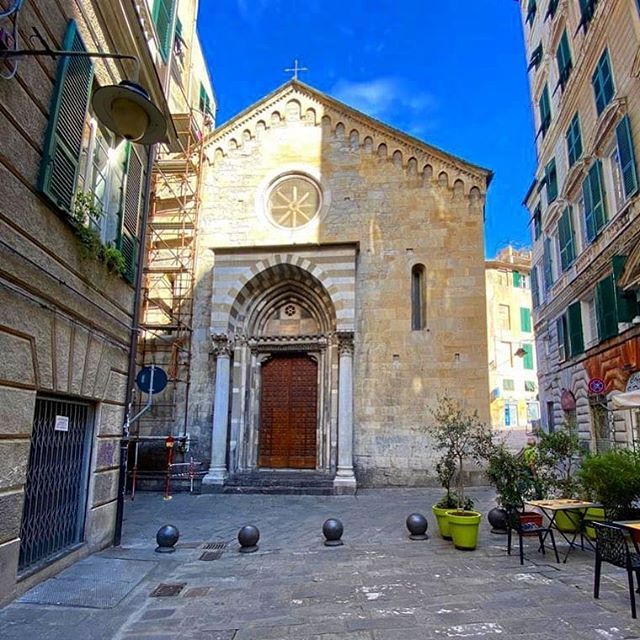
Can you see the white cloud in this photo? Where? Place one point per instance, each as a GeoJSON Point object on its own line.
{"type": "Point", "coordinates": [390, 99]}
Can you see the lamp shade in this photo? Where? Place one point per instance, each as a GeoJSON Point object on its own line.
{"type": "Point", "coordinates": [126, 110]}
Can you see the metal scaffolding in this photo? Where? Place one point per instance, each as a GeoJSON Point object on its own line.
{"type": "Point", "coordinates": [169, 276]}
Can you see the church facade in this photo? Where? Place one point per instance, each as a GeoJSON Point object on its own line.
{"type": "Point", "coordinates": [340, 289]}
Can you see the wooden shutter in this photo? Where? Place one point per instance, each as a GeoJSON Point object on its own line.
{"type": "Point", "coordinates": [525, 319]}
{"type": "Point", "coordinates": [537, 222]}
{"type": "Point", "coordinates": [551, 10]}
{"type": "Point", "coordinates": [576, 338]}
{"type": "Point", "coordinates": [602, 82]}
{"type": "Point", "coordinates": [531, 11]}
{"type": "Point", "coordinates": [606, 308]}
{"type": "Point", "coordinates": [535, 291]}
{"type": "Point", "coordinates": [548, 269]}
{"type": "Point", "coordinates": [627, 157]}
{"type": "Point", "coordinates": [551, 179]}
{"type": "Point", "coordinates": [597, 191]}
{"type": "Point", "coordinates": [545, 110]}
{"type": "Point", "coordinates": [516, 279]}
{"type": "Point", "coordinates": [536, 57]}
{"type": "Point", "coordinates": [63, 142]}
{"type": "Point", "coordinates": [626, 303]}
{"type": "Point", "coordinates": [131, 208]}
{"type": "Point", "coordinates": [565, 239]}
{"type": "Point", "coordinates": [574, 140]}
{"type": "Point", "coordinates": [163, 18]}
{"type": "Point", "coordinates": [560, 330]}
{"type": "Point", "coordinates": [527, 360]}
{"type": "Point", "coordinates": [563, 58]}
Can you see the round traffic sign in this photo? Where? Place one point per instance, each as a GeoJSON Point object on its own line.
{"type": "Point", "coordinates": [596, 386]}
{"type": "Point", "coordinates": [143, 379]}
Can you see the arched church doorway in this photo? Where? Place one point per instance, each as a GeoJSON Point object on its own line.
{"type": "Point", "coordinates": [288, 412]}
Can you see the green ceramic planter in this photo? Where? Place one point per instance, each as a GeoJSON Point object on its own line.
{"type": "Point", "coordinates": [595, 514]}
{"type": "Point", "coordinates": [464, 526]}
{"type": "Point", "coordinates": [443, 522]}
{"type": "Point", "coordinates": [568, 523]}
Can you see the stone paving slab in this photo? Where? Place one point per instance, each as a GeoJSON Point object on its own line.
{"type": "Point", "coordinates": [378, 586]}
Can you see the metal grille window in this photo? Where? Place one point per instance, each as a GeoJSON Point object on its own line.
{"type": "Point", "coordinates": [57, 478]}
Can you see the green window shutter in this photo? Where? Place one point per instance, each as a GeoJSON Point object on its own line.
{"type": "Point", "coordinates": [606, 308]}
{"type": "Point", "coordinates": [531, 12]}
{"type": "Point", "coordinates": [562, 337]}
{"type": "Point", "coordinates": [626, 303]}
{"type": "Point", "coordinates": [525, 320]}
{"type": "Point", "coordinates": [574, 140]}
{"type": "Point", "coordinates": [544, 104]}
{"type": "Point", "coordinates": [527, 360]}
{"type": "Point", "coordinates": [548, 268]}
{"type": "Point", "coordinates": [602, 81]}
{"type": "Point", "coordinates": [163, 18]}
{"type": "Point", "coordinates": [551, 180]}
{"type": "Point", "coordinates": [563, 58]}
{"type": "Point", "coordinates": [566, 240]}
{"type": "Point", "coordinates": [576, 338]}
{"type": "Point", "coordinates": [589, 219]}
{"type": "Point", "coordinates": [627, 157]}
{"type": "Point", "coordinates": [587, 9]}
{"type": "Point", "coordinates": [537, 222]}
{"type": "Point", "coordinates": [536, 58]}
{"type": "Point", "coordinates": [516, 279]}
{"type": "Point", "coordinates": [63, 142]}
{"type": "Point", "coordinates": [131, 209]}
{"type": "Point", "coordinates": [551, 10]}
{"type": "Point", "coordinates": [204, 103]}
{"type": "Point", "coordinates": [597, 191]}
{"type": "Point", "coordinates": [179, 29]}
{"type": "Point", "coordinates": [535, 291]}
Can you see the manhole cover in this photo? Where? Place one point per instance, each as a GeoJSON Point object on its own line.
{"type": "Point", "coordinates": [214, 545]}
{"type": "Point", "coordinates": [210, 555]}
{"type": "Point", "coordinates": [167, 590]}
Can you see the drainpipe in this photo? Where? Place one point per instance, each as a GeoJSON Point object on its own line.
{"type": "Point", "coordinates": [133, 347]}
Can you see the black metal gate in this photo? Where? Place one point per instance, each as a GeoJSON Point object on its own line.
{"type": "Point", "coordinates": [57, 479]}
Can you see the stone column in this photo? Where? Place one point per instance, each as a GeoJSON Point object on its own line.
{"type": "Point", "coordinates": [217, 473]}
{"type": "Point", "coordinates": [345, 481]}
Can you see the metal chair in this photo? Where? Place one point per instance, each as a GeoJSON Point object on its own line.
{"type": "Point", "coordinates": [612, 547]}
{"type": "Point", "coordinates": [527, 530]}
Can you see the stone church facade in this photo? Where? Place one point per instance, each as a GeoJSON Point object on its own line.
{"type": "Point", "coordinates": [340, 289]}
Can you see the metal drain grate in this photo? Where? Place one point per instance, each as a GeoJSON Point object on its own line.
{"type": "Point", "coordinates": [211, 555]}
{"type": "Point", "coordinates": [164, 590]}
{"type": "Point", "coordinates": [214, 545]}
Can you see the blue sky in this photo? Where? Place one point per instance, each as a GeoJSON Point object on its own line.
{"type": "Point", "coordinates": [452, 73]}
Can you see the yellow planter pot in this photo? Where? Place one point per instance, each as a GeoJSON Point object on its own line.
{"type": "Point", "coordinates": [464, 526]}
{"type": "Point", "coordinates": [443, 521]}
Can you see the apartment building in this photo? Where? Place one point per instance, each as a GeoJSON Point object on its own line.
{"type": "Point", "coordinates": [584, 72]}
{"type": "Point", "coordinates": [513, 380]}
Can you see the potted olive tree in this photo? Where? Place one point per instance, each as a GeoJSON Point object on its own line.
{"type": "Point", "coordinates": [446, 470]}
{"type": "Point", "coordinates": [461, 437]}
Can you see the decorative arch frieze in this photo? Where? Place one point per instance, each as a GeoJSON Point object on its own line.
{"type": "Point", "coordinates": [364, 135]}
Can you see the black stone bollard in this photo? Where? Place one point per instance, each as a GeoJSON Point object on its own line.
{"type": "Point", "coordinates": [417, 525]}
{"type": "Point", "coordinates": [332, 530]}
{"type": "Point", "coordinates": [166, 538]}
{"type": "Point", "coordinates": [497, 518]}
{"type": "Point", "coordinates": [248, 538]}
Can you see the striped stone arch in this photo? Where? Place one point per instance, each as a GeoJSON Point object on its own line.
{"type": "Point", "coordinates": [268, 278]}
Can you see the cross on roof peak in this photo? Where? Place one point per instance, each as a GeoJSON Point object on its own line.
{"type": "Point", "coordinates": [296, 69]}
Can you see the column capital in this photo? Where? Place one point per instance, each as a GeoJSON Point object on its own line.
{"type": "Point", "coordinates": [222, 344]}
{"type": "Point", "coordinates": [345, 342]}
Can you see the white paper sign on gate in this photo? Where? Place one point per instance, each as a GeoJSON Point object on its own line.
{"type": "Point", "coordinates": [62, 423]}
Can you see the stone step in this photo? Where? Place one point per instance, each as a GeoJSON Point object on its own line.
{"type": "Point", "coordinates": [279, 483]}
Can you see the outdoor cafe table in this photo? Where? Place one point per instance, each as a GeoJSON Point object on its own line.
{"type": "Point", "coordinates": [575, 510]}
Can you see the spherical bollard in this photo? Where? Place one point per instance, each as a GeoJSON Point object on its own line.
{"type": "Point", "coordinates": [417, 525]}
{"type": "Point", "coordinates": [248, 538]}
{"type": "Point", "coordinates": [166, 538]}
{"type": "Point", "coordinates": [332, 530]}
{"type": "Point", "coordinates": [497, 518]}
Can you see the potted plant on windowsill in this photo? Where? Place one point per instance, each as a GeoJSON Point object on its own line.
{"type": "Point", "coordinates": [461, 437]}
{"type": "Point", "coordinates": [613, 479]}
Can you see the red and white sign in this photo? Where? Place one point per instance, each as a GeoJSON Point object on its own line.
{"type": "Point", "coordinates": [596, 386]}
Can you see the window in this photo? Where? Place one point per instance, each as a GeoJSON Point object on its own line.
{"type": "Point", "coordinates": [551, 180]}
{"type": "Point", "coordinates": [533, 411]}
{"type": "Point", "coordinates": [563, 58]}
{"type": "Point", "coordinates": [527, 359]}
{"type": "Point", "coordinates": [547, 264]}
{"type": "Point", "coordinates": [204, 103]}
{"type": "Point", "coordinates": [566, 239]}
{"type": "Point", "coordinates": [535, 288]}
{"type": "Point", "coordinates": [627, 306]}
{"type": "Point", "coordinates": [520, 280]}
{"type": "Point", "coordinates": [179, 44]}
{"type": "Point", "coordinates": [587, 9]}
{"type": "Point", "coordinates": [574, 140]}
{"type": "Point", "coordinates": [162, 16]}
{"type": "Point", "coordinates": [508, 385]}
{"type": "Point", "coordinates": [589, 321]}
{"type": "Point", "coordinates": [531, 12]}
{"type": "Point", "coordinates": [626, 158]}
{"type": "Point", "coordinates": [595, 215]}
{"type": "Point", "coordinates": [510, 414]}
{"type": "Point", "coordinates": [536, 58]}
{"type": "Point", "coordinates": [563, 341]}
{"type": "Point", "coordinates": [529, 386]}
{"type": "Point", "coordinates": [505, 355]}
{"type": "Point", "coordinates": [574, 322]}
{"type": "Point", "coordinates": [80, 156]}
{"type": "Point", "coordinates": [551, 427]}
{"type": "Point", "coordinates": [602, 81]}
{"type": "Point", "coordinates": [606, 308]}
{"type": "Point", "coordinates": [544, 105]}
{"type": "Point", "coordinates": [553, 7]}
{"type": "Point", "coordinates": [525, 320]}
{"type": "Point", "coordinates": [418, 298]}
{"type": "Point", "coordinates": [504, 317]}
{"type": "Point", "coordinates": [537, 222]}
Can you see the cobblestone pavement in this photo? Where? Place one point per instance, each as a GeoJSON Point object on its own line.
{"type": "Point", "coordinates": [378, 586]}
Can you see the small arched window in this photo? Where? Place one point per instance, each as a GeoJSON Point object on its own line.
{"type": "Point", "coordinates": [418, 298]}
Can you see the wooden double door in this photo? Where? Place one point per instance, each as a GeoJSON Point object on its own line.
{"type": "Point", "coordinates": [288, 413]}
